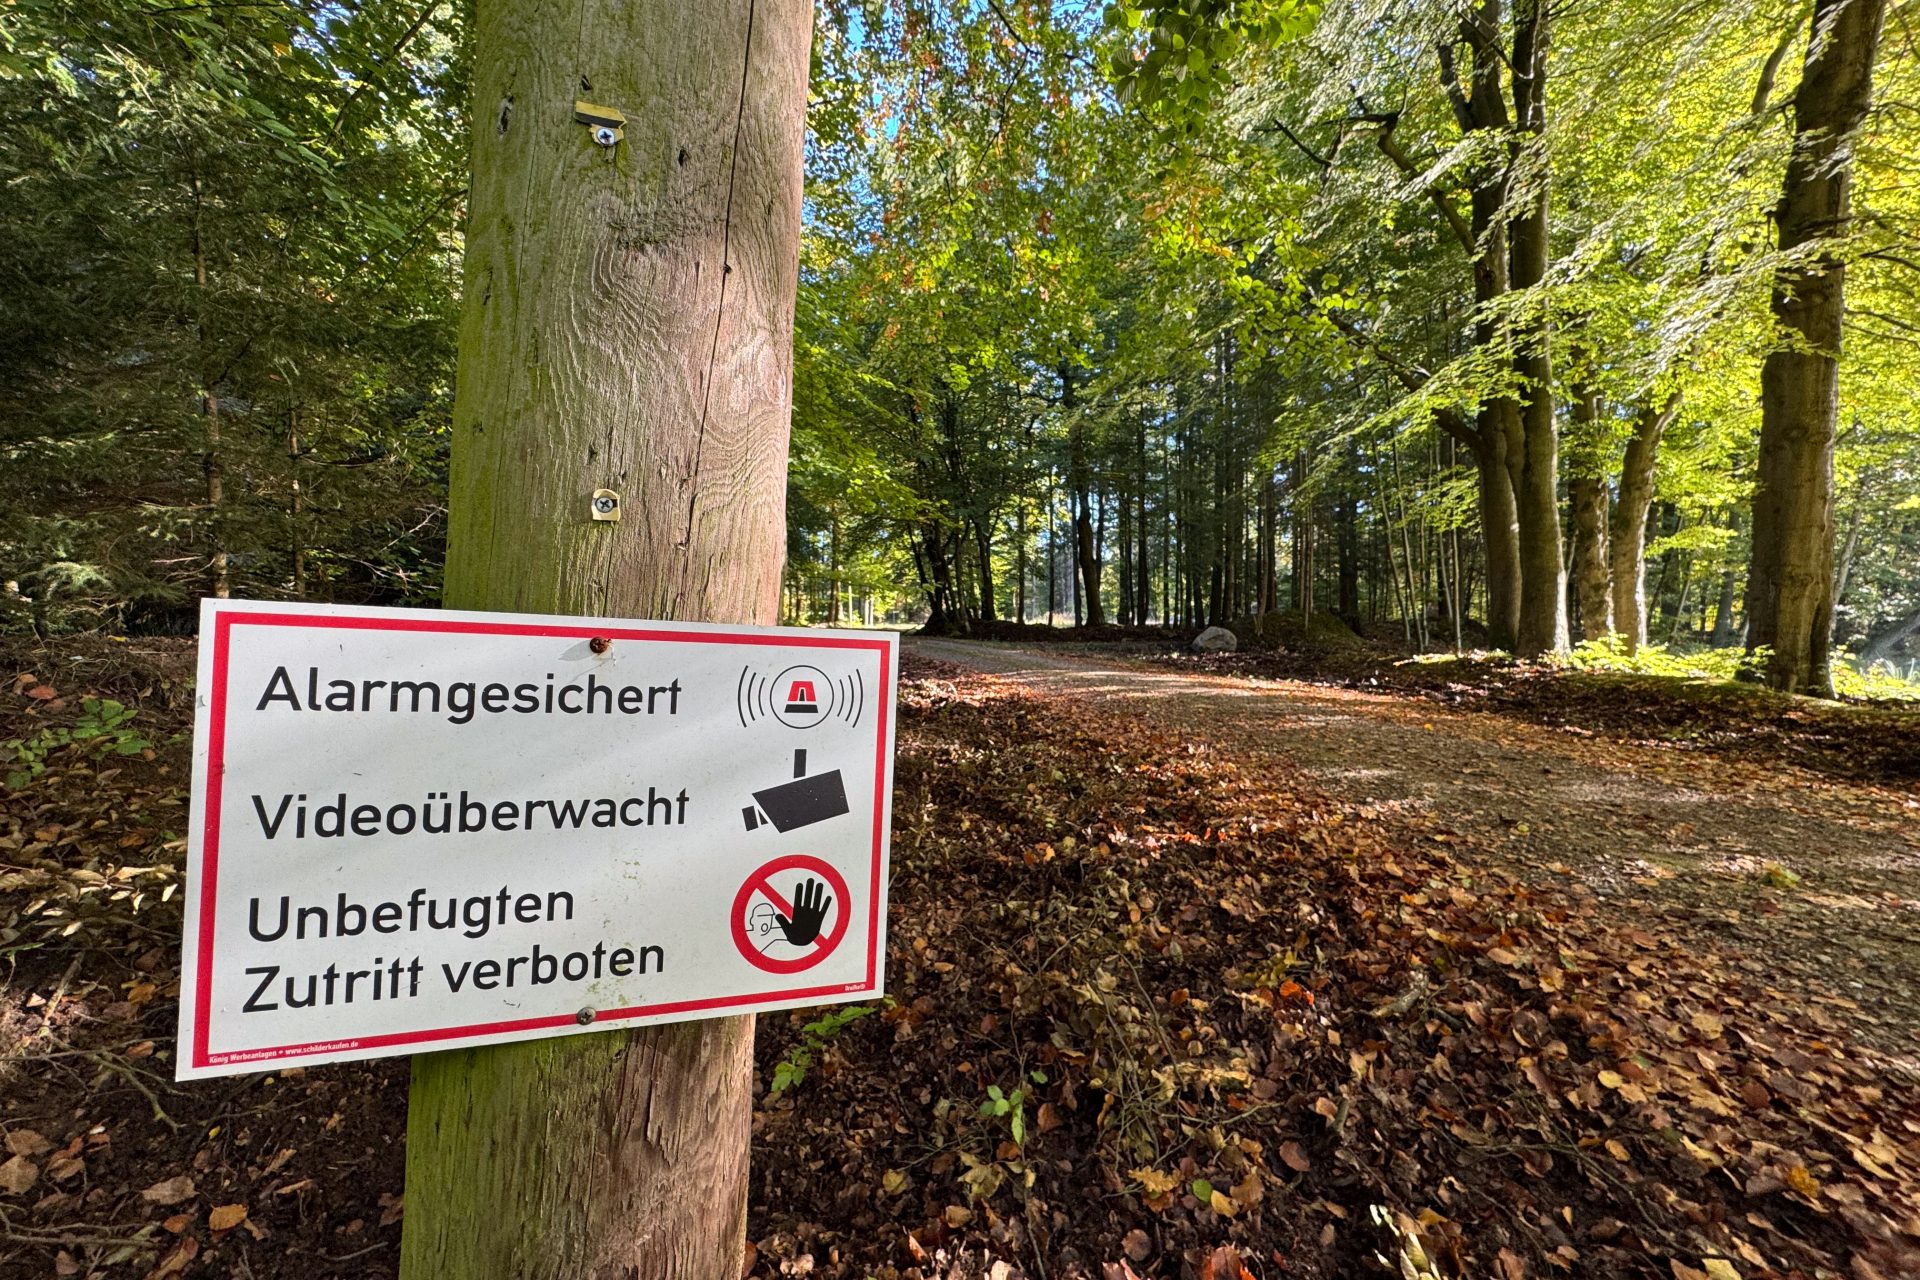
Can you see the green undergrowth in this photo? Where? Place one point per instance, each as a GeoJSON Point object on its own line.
{"type": "Point", "coordinates": [1710, 671]}
{"type": "Point", "coordinates": [1724, 665]}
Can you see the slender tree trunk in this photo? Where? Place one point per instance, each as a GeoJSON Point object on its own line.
{"type": "Point", "coordinates": [1143, 590]}
{"type": "Point", "coordinates": [297, 504]}
{"type": "Point", "coordinates": [1499, 528]}
{"type": "Point", "coordinates": [1534, 460]}
{"type": "Point", "coordinates": [1723, 610]}
{"type": "Point", "coordinates": [1079, 480]}
{"type": "Point", "coordinates": [1844, 570]}
{"type": "Point", "coordinates": [1020, 560]}
{"type": "Point", "coordinates": [833, 572]}
{"type": "Point", "coordinates": [1627, 533]}
{"type": "Point", "coordinates": [1053, 549]}
{"type": "Point", "coordinates": [212, 463]}
{"type": "Point", "coordinates": [1790, 580]}
{"type": "Point", "coordinates": [1587, 495]}
{"type": "Point", "coordinates": [983, 549]}
{"type": "Point", "coordinates": [649, 288]}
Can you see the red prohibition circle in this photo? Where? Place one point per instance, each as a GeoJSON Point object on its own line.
{"type": "Point", "coordinates": [760, 882]}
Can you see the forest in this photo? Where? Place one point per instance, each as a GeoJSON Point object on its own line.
{"type": "Point", "coordinates": [1107, 316]}
{"type": "Point", "coordinates": [1389, 531]}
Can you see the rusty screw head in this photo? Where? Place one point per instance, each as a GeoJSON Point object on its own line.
{"type": "Point", "coordinates": [584, 1017]}
{"type": "Point", "coordinates": [600, 644]}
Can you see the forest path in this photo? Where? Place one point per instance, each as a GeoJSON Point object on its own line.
{"type": "Point", "coordinates": [1669, 837]}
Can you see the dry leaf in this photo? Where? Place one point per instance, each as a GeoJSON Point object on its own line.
{"type": "Point", "coordinates": [25, 1142]}
{"type": "Point", "coordinates": [1708, 1025]}
{"type": "Point", "coordinates": [1153, 1182]}
{"type": "Point", "coordinates": [169, 1190]}
{"type": "Point", "coordinates": [1138, 1245]}
{"type": "Point", "coordinates": [17, 1174]}
{"type": "Point", "coordinates": [1805, 1183]}
{"type": "Point", "coordinates": [1294, 1158]}
{"type": "Point", "coordinates": [176, 1261]}
{"type": "Point", "coordinates": [226, 1217]}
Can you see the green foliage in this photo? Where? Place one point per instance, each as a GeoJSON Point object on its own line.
{"type": "Point", "coordinates": [103, 728]}
{"type": "Point", "coordinates": [231, 217]}
{"type": "Point", "coordinates": [1011, 1107]}
{"type": "Point", "coordinates": [1727, 664]}
{"type": "Point", "coordinates": [816, 1038]}
{"type": "Point", "coordinates": [1173, 53]}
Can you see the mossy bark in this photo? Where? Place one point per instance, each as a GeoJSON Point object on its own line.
{"type": "Point", "coordinates": [628, 325]}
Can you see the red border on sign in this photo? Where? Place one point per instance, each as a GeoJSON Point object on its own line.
{"type": "Point", "coordinates": [823, 946]}
{"type": "Point", "coordinates": [224, 622]}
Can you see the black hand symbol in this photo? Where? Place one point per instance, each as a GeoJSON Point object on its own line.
{"type": "Point", "coordinates": [809, 912]}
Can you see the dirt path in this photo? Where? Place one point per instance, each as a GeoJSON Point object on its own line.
{"type": "Point", "coordinates": [1707, 847]}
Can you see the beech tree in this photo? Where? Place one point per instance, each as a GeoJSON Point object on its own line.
{"type": "Point", "coordinates": [1790, 585]}
{"type": "Point", "coordinates": [628, 325]}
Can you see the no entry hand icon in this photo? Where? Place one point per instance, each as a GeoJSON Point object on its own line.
{"type": "Point", "coordinates": [790, 914]}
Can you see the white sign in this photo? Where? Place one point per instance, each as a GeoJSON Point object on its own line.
{"type": "Point", "coordinates": [422, 829]}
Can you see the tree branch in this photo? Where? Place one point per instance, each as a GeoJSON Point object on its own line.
{"type": "Point", "coordinates": [1391, 148]}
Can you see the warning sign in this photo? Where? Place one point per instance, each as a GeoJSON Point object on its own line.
{"type": "Point", "coordinates": [419, 829]}
{"type": "Point", "coordinates": [790, 914]}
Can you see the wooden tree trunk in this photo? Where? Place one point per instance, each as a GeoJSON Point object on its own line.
{"type": "Point", "coordinates": [1499, 528]}
{"type": "Point", "coordinates": [1588, 497]}
{"type": "Point", "coordinates": [1534, 456]}
{"type": "Point", "coordinates": [1790, 580]}
{"type": "Point", "coordinates": [833, 573]}
{"type": "Point", "coordinates": [1627, 534]}
{"type": "Point", "coordinates": [983, 549]}
{"type": "Point", "coordinates": [628, 325]}
{"type": "Point", "coordinates": [211, 461]}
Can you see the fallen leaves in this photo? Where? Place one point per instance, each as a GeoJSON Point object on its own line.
{"type": "Point", "coordinates": [18, 1174]}
{"type": "Point", "coordinates": [169, 1191]}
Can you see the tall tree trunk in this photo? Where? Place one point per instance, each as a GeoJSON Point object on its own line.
{"type": "Point", "coordinates": [1535, 458]}
{"type": "Point", "coordinates": [212, 463]}
{"type": "Point", "coordinates": [983, 549]}
{"type": "Point", "coordinates": [1080, 481]}
{"type": "Point", "coordinates": [833, 572]}
{"type": "Point", "coordinates": [649, 287]}
{"type": "Point", "coordinates": [1020, 559]}
{"type": "Point", "coordinates": [1499, 527]}
{"type": "Point", "coordinates": [1587, 496]}
{"type": "Point", "coordinates": [1627, 533]}
{"type": "Point", "coordinates": [297, 505]}
{"type": "Point", "coordinates": [1843, 572]}
{"type": "Point", "coordinates": [1790, 580]}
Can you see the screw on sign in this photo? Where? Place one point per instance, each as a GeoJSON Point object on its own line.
{"type": "Point", "coordinates": [790, 914]}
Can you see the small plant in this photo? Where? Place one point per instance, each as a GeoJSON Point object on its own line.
{"type": "Point", "coordinates": [815, 1038]}
{"type": "Point", "coordinates": [102, 728]}
{"type": "Point", "coordinates": [1011, 1107]}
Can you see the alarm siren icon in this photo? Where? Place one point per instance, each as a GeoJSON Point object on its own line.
{"type": "Point", "coordinates": [800, 699]}
{"type": "Point", "coordinates": [802, 696]}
